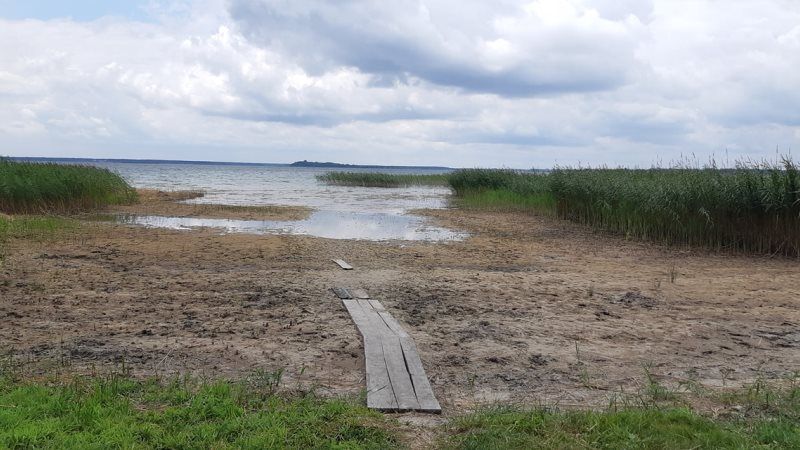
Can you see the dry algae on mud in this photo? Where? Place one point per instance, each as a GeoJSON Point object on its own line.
{"type": "Point", "coordinates": [528, 309]}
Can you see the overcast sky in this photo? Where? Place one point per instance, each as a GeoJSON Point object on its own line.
{"type": "Point", "coordinates": [450, 82]}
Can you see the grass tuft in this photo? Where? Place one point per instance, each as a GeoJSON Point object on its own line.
{"type": "Point", "coordinates": [47, 188]}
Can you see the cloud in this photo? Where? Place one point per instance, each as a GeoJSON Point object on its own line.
{"type": "Point", "coordinates": [541, 48]}
{"type": "Point", "coordinates": [507, 83]}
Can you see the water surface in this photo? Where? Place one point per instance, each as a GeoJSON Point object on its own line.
{"type": "Point", "coordinates": [340, 212]}
{"type": "Point", "coordinates": [325, 224]}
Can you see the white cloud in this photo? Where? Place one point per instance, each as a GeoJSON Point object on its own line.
{"type": "Point", "coordinates": [412, 82]}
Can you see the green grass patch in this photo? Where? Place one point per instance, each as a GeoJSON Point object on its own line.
{"type": "Point", "coordinates": [671, 428]}
{"type": "Point", "coordinates": [34, 227]}
{"type": "Point", "coordinates": [764, 415]}
{"type": "Point", "coordinates": [387, 180]}
{"type": "Point", "coordinates": [119, 412]}
{"type": "Point", "coordinates": [38, 228]}
{"type": "Point", "coordinates": [40, 188]}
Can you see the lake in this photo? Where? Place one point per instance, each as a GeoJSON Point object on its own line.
{"type": "Point", "coordinates": [340, 212]}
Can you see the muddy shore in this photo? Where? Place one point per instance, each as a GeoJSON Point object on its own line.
{"type": "Point", "coordinates": [529, 309]}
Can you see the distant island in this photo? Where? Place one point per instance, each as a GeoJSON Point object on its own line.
{"type": "Point", "coordinates": [334, 165]}
{"type": "Point", "coordinates": [303, 163]}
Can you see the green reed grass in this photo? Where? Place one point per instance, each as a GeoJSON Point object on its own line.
{"type": "Point", "coordinates": [502, 190]}
{"type": "Point", "coordinates": [36, 188]}
{"type": "Point", "coordinates": [753, 208]}
{"type": "Point", "coordinates": [373, 179]}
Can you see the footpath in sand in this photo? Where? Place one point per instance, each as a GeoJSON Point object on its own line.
{"type": "Point", "coordinates": [529, 309]}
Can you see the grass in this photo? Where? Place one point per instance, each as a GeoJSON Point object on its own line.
{"type": "Point", "coordinates": [32, 228]}
{"type": "Point", "coordinates": [766, 416]}
{"type": "Point", "coordinates": [754, 208]}
{"type": "Point", "coordinates": [372, 179]}
{"type": "Point", "coordinates": [502, 190]}
{"type": "Point", "coordinates": [116, 411]}
{"type": "Point", "coordinates": [629, 429]}
{"type": "Point", "coordinates": [120, 412]}
{"type": "Point", "coordinates": [39, 188]}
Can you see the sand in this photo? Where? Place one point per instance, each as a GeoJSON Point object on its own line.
{"type": "Point", "coordinates": [530, 309]}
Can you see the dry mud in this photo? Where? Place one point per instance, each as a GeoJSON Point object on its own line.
{"type": "Point", "coordinates": [528, 310]}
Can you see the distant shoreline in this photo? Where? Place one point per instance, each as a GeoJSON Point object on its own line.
{"type": "Point", "coordinates": [334, 165]}
{"type": "Point", "coordinates": [136, 161]}
{"type": "Point", "coordinates": [308, 164]}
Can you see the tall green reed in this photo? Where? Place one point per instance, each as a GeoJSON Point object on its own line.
{"type": "Point", "coordinates": [754, 207]}
{"type": "Point", "coordinates": [374, 179]}
{"type": "Point", "coordinates": [36, 188]}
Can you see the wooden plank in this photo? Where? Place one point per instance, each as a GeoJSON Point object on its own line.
{"type": "Point", "coordinates": [342, 264]}
{"type": "Point", "coordinates": [359, 293]}
{"type": "Point", "coordinates": [395, 361]}
{"type": "Point", "coordinates": [422, 387]}
{"type": "Point", "coordinates": [380, 395]}
{"type": "Point", "coordinates": [396, 379]}
{"type": "Point", "coordinates": [342, 293]}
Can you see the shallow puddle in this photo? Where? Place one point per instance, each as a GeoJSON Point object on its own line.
{"type": "Point", "coordinates": [324, 224]}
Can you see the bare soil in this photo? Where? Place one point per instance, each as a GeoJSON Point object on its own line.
{"type": "Point", "coordinates": [529, 309]}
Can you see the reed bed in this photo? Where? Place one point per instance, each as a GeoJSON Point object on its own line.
{"type": "Point", "coordinates": [502, 190]}
{"type": "Point", "coordinates": [387, 180]}
{"type": "Point", "coordinates": [753, 208]}
{"type": "Point", "coordinates": [37, 188]}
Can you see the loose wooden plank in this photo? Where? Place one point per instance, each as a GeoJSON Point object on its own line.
{"type": "Point", "coordinates": [380, 394]}
{"type": "Point", "coordinates": [342, 293]}
{"type": "Point", "coordinates": [395, 361]}
{"type": "Point", "coordinates": [422, 387]}
{"type": "Point", "coordinates": [359, 293]}
{"type": "Point", "coordinates": [342, 264]}
{"type": "Point", "coordinates": [396, 379]}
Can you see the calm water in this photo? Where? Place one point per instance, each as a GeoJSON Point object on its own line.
{"type": "Point", "coordinates": [340, 212]}
{"type": "Point", "coordinates": [325, 224]}
{"type": "Point", "coordinates": [280, 185]}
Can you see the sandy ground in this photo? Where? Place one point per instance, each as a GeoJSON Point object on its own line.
{"type": "Point", "coordinates": [530, 309]}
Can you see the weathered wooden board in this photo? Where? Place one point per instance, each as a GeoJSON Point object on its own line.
{"type": "Point", "coordinates": [342, 264]}
{"type": "Point", "coordinates": [342, 293]}
{"type": "Point", "coordinates": [395, 361]}
{"type": "Point", "coordinates": [359, 293]}
{"type": "Point", "coordinates": [422, 387]}
{"type": "Point", "coordinates": [380, 395]}
{"type": "Point", "coordinates": [396, 380]}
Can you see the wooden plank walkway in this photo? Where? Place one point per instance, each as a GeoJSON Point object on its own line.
{"type": "Point", "coordinates": [396, 380]}
{"type": "Point", "coordinates": [342, 264]}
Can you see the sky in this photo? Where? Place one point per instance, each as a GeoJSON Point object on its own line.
{"type": "Point", "coordinates": [460, 83]}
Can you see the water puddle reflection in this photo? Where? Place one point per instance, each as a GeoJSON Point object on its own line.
{"type": "Point", "coordinates": [324, 224]}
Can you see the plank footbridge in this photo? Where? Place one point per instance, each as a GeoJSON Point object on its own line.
{"type": "Point", "coordinates": [396, 380]}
